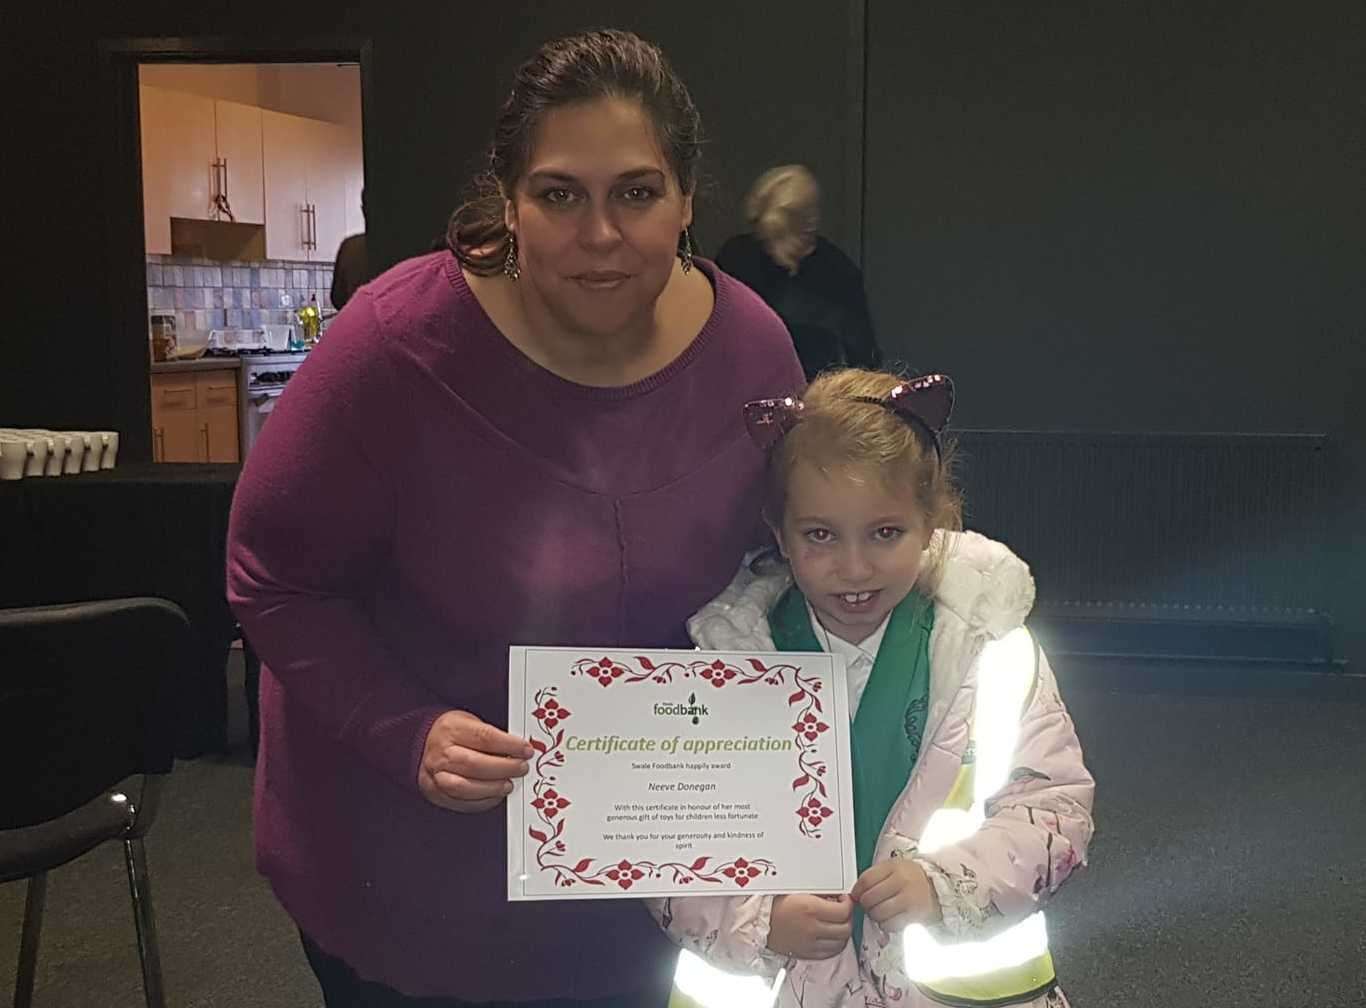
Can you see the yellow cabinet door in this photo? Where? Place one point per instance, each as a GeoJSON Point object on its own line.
{"type": "Point", "coordinates": [217, 393]}
{"type": "Point", "coordinates": [176, 435]}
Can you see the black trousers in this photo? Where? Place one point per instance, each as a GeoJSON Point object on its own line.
{"type": "Point", "coordinates": [343, 989]}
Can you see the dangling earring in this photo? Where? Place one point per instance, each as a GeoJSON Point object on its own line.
{"type": "Point", "coordinates": [685, 251]}
{"type": "Point", "coordinates": [510, 267]}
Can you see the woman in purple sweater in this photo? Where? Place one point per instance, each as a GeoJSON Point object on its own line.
{"type": "Point", "coordinates": [533, 438]}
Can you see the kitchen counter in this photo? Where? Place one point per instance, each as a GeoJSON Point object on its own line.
{"type": "Point", "coordinates": [202, 364]}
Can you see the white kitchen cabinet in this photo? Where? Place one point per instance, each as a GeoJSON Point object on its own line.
{"type": "Point", "coordinates": [327, 177]}
{"type": "Point", "coordinates": [355, 185]}
{"type": "Point", "coordinates": [308, 164]}
{"type": "Point", "coordinates": [191, 147]}
{"type": "Point", "coordinates": [238, 132]}
{"type": "Point", "coordinates": [178, 151]}
{"type": "Point", "coordinates": [299, 177]}
{"type": "Point", "coordinates": [288, 230]}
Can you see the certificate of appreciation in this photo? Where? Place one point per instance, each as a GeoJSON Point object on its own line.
{"type": "Point", "coordinates": [673, 773]}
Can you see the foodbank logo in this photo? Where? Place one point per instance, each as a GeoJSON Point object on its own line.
{"type": "Point", "coordinates": [691, 710]}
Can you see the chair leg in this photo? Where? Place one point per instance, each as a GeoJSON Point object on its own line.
{"type": "Point", "coordinates": [28, 942]}
{"type": "Point", "coordinates": [140, 888]}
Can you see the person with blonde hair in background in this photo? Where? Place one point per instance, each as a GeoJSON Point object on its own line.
{"type": "Point", "coordinates": [813, 286]}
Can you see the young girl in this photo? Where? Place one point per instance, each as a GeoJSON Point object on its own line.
{"type": "Point", "coordinates": [972, 804]}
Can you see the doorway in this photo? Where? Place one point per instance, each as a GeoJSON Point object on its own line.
{"type": "Point", "coordinates": [236, 178]}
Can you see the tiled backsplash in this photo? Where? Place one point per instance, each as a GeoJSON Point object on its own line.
{"type": "Point", "coordinates": [206, 294]}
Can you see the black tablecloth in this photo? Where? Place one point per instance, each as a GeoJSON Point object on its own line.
{"type": "Point", "coordinates": [140, 529]}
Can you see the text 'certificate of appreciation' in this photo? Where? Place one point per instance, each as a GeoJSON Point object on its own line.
{"type": "Point", "coordinates": [679, 773]}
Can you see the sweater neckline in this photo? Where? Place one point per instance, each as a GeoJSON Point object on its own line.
{"type": "Point", "coordinates": [560, 386]}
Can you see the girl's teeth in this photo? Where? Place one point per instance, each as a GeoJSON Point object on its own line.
{"type": "Point", "coordinates": [853, 598]}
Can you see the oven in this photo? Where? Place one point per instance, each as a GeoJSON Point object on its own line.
{"type": "Point", "coordinates": [261, 382]}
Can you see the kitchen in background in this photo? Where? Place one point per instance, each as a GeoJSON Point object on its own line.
{"type": "Point", "coordinates": [252, 177]}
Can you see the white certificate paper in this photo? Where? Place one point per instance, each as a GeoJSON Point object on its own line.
{"type": "Point", "coordinates": [679, 773]}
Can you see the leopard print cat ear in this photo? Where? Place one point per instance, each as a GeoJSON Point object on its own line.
{"type": "Point", "coordinates": [929, 398]}
{"type": "Point", "coordinates": [767, 420]}
{"type": "Point", "coordinates": [923, 403]}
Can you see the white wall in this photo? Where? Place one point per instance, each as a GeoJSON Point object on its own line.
{"type": "Point", "coordinates": [315, 90]}
{"type": "Point", "coordinates": [231, 82]}
{"type": "Point", "coordinates": [318, 91]}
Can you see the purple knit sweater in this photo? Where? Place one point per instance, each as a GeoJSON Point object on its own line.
{"type": "Point", "coordinates": [425, 496]}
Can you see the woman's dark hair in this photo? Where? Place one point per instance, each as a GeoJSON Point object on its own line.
{"type": "Point", "coordinates": [597, 64]}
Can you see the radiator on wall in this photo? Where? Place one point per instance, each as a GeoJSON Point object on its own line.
{"type": "Point", "coordinates": [1180, 545]}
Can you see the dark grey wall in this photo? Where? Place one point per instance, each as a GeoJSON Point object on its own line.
{"type": "Point", "coordinates": [1158, 207]}
{"type": "Point", "coordinates": [1130, 217]}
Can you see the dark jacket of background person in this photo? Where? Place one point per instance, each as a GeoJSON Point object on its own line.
{"type": "Point", "coordinates": [823, 305]}
{"type": "Point", "coordinates": [352, 269]}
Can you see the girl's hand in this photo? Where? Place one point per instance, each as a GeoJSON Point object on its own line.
{"type": "Point", "coordinates": [896, 894]}
{"type": "Point", "coordinates": [469, 765]}
{"type": "Point", "coordinates": [810, 927]}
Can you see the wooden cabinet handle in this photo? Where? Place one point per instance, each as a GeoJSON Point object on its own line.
{"type": "Point", "coordinates": [205, 430]}
{"type": "Point", "coordinates": [159, 445]}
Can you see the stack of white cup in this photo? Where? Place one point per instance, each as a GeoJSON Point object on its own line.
{"type": "Point", "coordinates": [31, 451]}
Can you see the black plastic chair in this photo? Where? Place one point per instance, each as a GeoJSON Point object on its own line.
{"type": "Point", "coordinates": [87, 709]}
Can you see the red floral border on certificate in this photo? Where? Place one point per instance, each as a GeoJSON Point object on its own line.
{"type": "Point", "coordinates": [551, 805]}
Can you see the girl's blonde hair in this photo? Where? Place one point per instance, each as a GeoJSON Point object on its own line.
{"type": "Point", "coordinates": [837, 432]}
{"type": "Point", "coordinates": [783, 210]}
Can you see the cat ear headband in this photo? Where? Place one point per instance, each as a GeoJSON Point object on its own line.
{"type": "Point", "coordinates": [923, 403]}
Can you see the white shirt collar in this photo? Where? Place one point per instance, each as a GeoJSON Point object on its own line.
{"type": "Point", "coordinates": [866, 651]}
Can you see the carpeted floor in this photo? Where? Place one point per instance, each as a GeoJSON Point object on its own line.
{"type": "Point", "coordinates": [1229, 871]}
